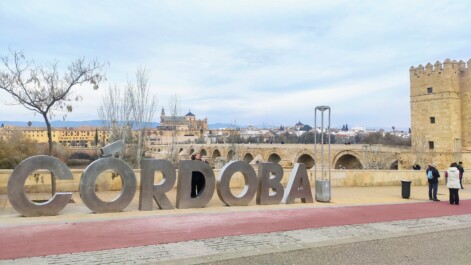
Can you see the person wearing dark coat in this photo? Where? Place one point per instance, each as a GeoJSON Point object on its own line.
{"type": "Point", "coordinates": [433, 183]}
{"type": "Point", "coordinates": [197, 179]}
{"type": "Point", "coordinates": [416, 167]}
{"type": "Point", "coordinates": [461, 169]}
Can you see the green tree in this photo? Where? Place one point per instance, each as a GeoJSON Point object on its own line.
{"type": "Point", "coordinates": [16, 149]}
{"type": "Point", "coordinates": [96, 136]}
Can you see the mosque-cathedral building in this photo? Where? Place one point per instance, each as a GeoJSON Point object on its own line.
{"type": "Point", "coordinates": [180, 129]}
{"type": "Point", "coordinates": [187, 129]}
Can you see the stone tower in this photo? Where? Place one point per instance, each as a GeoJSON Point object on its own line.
{"type": "Point", "coordinates": [440, 101]}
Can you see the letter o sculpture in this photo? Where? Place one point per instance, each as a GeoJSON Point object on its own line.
{"type": "Point", "coordinates": [224, 179]}
{"type": "Point", "coordinates": [89, 177]}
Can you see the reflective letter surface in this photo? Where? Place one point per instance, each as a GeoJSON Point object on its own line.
{"type": "Point", "coordinates": [224, 180]}
{"type": "Point", "coordinates": [185, 169]}
{"type": "Point", "coordinates": [16, 192]}
{"type": "Point", "coordinates": [149, 190]}
{"type": "Point", "coordinates": [298, 186]}
{"type": "Point", "coordinates": [89, 177]}
{"type": "Point", "coordinates": [270, 190]}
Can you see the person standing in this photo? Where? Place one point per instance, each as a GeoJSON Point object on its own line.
{"type": "Point", "coordinates": [452, 176]}
{"type": "Point", "coordinates": [433, 182]}
{"type": "Point", "coordinates": [416, 167]}
{"type": "Point", "coordinates": [197, 179]}
{"type": "Point", "coordinates": [461, 169]}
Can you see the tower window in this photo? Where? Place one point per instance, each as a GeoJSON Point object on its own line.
{"type": "Point", "coordinates": [429, 90]}
{"type": "Point", "coordinates": [432, 119]}
{"type": "Point", "coordinates": [431, 145]}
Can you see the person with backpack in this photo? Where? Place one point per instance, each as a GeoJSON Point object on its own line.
{"type": "Point", "coordinates": [432, 178]}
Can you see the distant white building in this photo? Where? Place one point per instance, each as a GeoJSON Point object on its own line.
{"type": "Point", "coordinates": [358, 129]}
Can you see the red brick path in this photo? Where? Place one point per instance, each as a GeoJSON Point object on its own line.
{"type": "Point", "coordinates": [68, 237]}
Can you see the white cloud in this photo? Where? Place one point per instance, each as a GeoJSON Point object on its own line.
{"type": "Point", "coordinates": [254, 61]}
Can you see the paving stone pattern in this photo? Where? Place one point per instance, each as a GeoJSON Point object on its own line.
{"type": "Point", "coordinates": [243, 243]}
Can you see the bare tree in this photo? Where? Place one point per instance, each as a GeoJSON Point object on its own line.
{"type": "Point", "coordinates": [108, 110]}
{"type": "Point", "coordinates": [143, 108]}
{"type": "Point", "coordinates": [234, 139]}
{"type": "Point", "coordinates": [380, 158]}
{"type": "Point", "coordinates": [431, 155]}
{"type": "Point", "coordinates": [132, 108]}
{"type": "Point", "coordinates": [115, 113]}
{"type": "Point", "coordinates": [41, 89]}
{"type": "Point", "coordinates": [419, 149]}
{"type": "Point", "coordinates": [175, 110]}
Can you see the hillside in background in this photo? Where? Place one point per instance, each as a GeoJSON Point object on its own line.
{"type": "Point", "coordinates": [93, 123]}
{"type": "Point", "coordinates": [56, 124]}
{"type": "Point", "coordinates": [97, 123]}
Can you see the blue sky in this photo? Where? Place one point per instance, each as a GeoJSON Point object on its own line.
{"type": "Point", "coordinates": [248, 62]}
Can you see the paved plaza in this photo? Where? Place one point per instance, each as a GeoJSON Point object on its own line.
{"type": "Point", "coordinates": [219, 233]}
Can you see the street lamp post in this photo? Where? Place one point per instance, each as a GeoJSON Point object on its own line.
{"type": "Point", "coordinates": [323, 191]}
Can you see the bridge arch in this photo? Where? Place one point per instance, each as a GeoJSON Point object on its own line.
{"type": "Point", "coordinates": [203, 152]}
{"type": "Point", "coordinates": [248, 157]}
{"type": "Point", "coordinates": [341, 156]}
{"type": "Point", "coordinates": [347, 160]}
{"type": "Point", "coordinates": [307, 159]}
{"type": "Point", "coordinates": [274, 158]}
{"type": "Point", "coordinates": [216, 153]}
{"type": "Point", "coordinates": [191, 150]}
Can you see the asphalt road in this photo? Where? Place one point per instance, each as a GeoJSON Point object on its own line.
{"type": "Point", "coordinates": [447, 247]}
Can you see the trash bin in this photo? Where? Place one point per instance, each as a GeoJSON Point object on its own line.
{"type": "Point", "coordinates": [406, 188]}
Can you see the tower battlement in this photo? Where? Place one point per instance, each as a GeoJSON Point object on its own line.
{"type": "Point", "coordinates": [439, 67]}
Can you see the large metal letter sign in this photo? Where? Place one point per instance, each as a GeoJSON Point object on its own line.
{"type": "Point", "coordinates": [298, 186]}
{"type": "Point", "coordinates": [16, 192]}
{"type": "Point", "coordinates": [185, 168]}
{"type": "Point", "coordinates": [270, 190]}
{"type": "Point", "coordinates": [224, 180]}
{"type": "Point", "coordinates": [89, 177]}
{"type": "Point", "coordinates": [149, 190]}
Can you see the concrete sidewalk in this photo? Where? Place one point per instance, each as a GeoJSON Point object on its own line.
{"type": "Point", "coordinates": [78, 231]}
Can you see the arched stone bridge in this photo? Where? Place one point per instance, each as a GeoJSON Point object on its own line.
{"type": "Point", "coordinates": [341, 156]}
